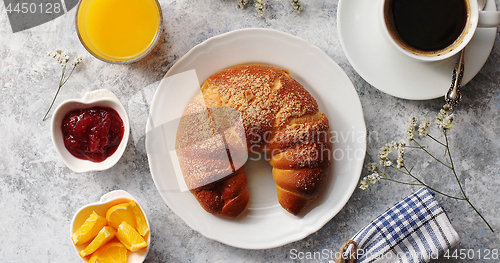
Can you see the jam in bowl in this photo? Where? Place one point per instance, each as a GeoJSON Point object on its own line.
{"type": "Point", "coordinates": [91, 134]}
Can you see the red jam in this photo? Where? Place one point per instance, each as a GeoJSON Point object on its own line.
{"type": "Point", "coordinates": [92, 134]}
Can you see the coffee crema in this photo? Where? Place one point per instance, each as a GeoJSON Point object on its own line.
{"type": "Point", "coordinates": [427, 25]}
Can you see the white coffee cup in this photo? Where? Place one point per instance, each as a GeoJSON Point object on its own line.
{"type": "Point", "coordinates": [475, 19]}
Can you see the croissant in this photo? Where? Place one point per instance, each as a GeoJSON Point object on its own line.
{"type": "Point", "coordinates": [252, 109]}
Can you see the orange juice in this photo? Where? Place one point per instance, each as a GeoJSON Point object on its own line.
{"type": "Point", "coordinates": [119, 30]}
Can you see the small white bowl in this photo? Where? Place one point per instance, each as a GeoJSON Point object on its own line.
{"type": "Point", "coordinates": [107, 201]}
{"type": "Point", "coordinates": [98, 98]}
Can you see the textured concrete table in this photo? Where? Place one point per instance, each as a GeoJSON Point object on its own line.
{"type": "Point", "coordinates": [39, 195]}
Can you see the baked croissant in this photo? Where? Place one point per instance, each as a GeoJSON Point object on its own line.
{"type": "Point", "coordinates": [246, 110]}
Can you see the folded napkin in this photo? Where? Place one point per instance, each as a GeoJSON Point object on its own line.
{"type": "Point", "coordinates": [416, 229]}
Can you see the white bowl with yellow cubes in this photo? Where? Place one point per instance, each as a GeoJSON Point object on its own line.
{"type": "Point", "coordinates": [116, 227]}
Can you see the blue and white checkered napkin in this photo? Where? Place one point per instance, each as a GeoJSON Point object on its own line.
{"type": "Point", "coordinates": [416, 229]}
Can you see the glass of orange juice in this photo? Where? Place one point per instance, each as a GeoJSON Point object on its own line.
{"type": "Point", "coordinates": [119, 31]}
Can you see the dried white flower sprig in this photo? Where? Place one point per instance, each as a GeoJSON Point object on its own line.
{"type": "Point", "coordinates": [260, 5]}
{"type": "Point", "coordinates": [444, 121]}
{"type": "Point", "coordinates": [62, 58]}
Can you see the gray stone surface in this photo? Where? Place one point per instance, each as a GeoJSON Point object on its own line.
{"type": "Point", "coordinates": [39, 195]}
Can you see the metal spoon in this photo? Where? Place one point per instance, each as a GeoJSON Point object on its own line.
{"type": "Point", "coordinates": [481, 4]}
{"type": "Point", "coordinates": [453, 96]}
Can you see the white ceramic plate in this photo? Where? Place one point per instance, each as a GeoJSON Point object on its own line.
{"type": "Point", "coordinates": [266, 224]}
{"type": "Point", "coordinates": [387, 69]}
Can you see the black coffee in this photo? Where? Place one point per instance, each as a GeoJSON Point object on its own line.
{"type": "Point", "coordinates": [429, 25]}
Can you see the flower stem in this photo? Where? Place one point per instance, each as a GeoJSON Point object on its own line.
{"type": "Point", "coordinates": [486, 222]}
{"type": "Point", "coordinates": [71, 73]}
{"type": "Point", "coordinates": [436, 140]}
{"type": "Point", "coordinates": [62, 81]}
{"type": "Point", "coordinates": [412, 147]}
{"type": "Point", "coordinates": [451, 163]}
{"type": "Point", "coordinates": [460, 184]}
{"type": "Point", "coordinates": [426, 185]}
{"type": "Point", "coordinates": [399, 182]}
{"type": "Point", "coordinates": [423, 149]}
{"type": "Point", "coordinates": [396, 181]}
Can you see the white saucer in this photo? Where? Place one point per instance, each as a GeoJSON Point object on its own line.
{"type": "Point", "coordinates": [385, 68]}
